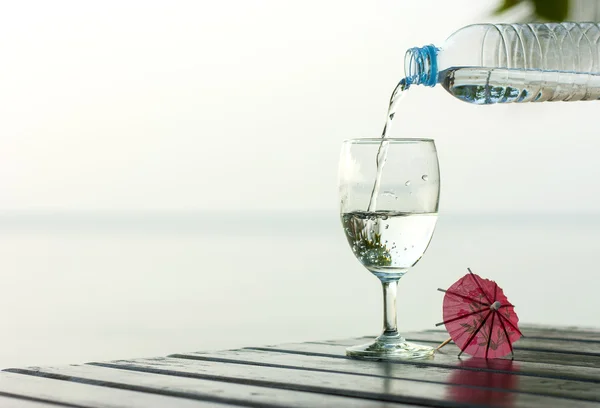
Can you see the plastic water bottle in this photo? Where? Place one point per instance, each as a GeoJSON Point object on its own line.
{"type": "Point", "coordinates": [502, 63]}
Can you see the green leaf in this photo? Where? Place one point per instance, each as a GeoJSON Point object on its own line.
{"type": "Point", "coordinates": [552, 10]}
{"type": "Point", "coordinates": [506, 5]}
{"type": "Point", "coordinates": [548, 10]}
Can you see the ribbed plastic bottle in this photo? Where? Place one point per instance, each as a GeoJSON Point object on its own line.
{"type": "Point", "coordinates": [503, 63]}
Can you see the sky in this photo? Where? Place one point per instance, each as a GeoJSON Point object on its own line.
{"type": "Point", "coordinates": [243, 105]}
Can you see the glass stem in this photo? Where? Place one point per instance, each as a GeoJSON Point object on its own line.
{"type": "Point", "coordinates": [390, 325]}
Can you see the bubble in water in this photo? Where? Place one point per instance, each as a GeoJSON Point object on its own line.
{"type": "Point", "coordinates": [425, 177]}
{"type": "Point", "coordinates": [384, 217]}
{"type": "Point", "coordinates": [407, 183]}
{"type": "Point", "coordinates": [390, 194]}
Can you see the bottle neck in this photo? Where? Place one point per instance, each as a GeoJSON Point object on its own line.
{"type": "Point", "coordinates": [420, 66]}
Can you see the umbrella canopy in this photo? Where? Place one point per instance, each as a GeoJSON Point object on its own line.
{"type": "Point", "coordinates": [479, 318]}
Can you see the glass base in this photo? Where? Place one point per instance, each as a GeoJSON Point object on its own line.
{"type": "Point", "coordinates": [390, 348]}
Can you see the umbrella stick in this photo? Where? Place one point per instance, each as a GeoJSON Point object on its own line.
{"type": "Point", "coordinates": [444, 343]}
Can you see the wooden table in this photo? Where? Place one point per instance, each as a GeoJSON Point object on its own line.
{"type": "Point", "coordinates": [552, 368]}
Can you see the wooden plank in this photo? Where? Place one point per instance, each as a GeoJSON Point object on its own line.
{"type": "Point", "coordinates": [181, 375]}
{"type": "Point", "coordinates": [9, 402]}
{"type": "Point", "coordinates": [525, 343]}
{"type": "Point", "coordinates": [524, 356]}
{"type": "Point", "coordinates": [553, 367]}
{"type": "Point", "coordinates": [228, 389]}
{"type": "Point", "coordinates": [530, 385]}
{"type": "Point", "coordinates": [550, 357]}
{"type": "Point", "coordinates": [532, 366]}
{"type": "Point", "coordinates": [75, 394]}
{"type": "Point", "coordinates": [567, 334]}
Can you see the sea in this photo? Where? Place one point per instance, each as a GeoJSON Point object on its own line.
{"type": "Point", "coordinates": [82, 287]}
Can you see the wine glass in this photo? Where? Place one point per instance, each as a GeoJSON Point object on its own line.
{"type": "Point", "coordinates": [389, 217]}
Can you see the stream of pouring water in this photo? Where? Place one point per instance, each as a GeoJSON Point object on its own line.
{"type": "Point", "coordinates": [384, 145]}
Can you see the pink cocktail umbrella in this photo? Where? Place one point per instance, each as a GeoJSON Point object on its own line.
{"type": "Point", "coordinates": [479, 318]}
